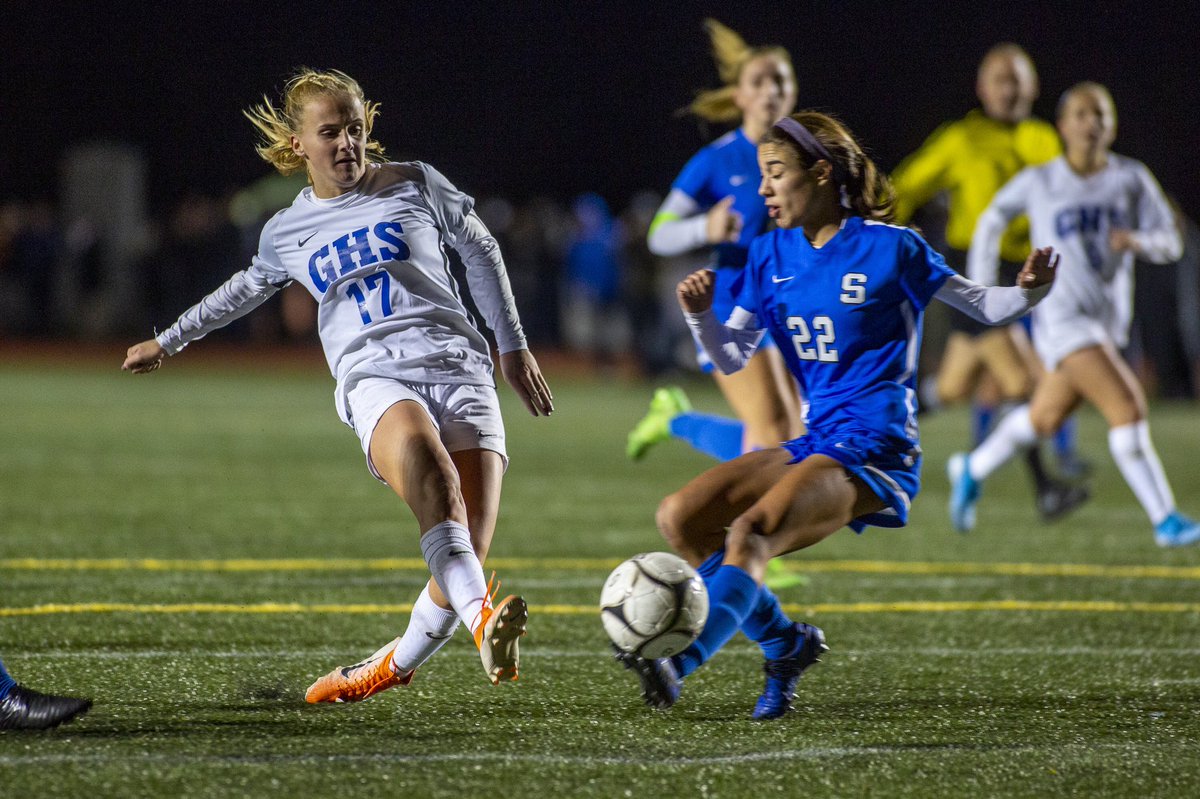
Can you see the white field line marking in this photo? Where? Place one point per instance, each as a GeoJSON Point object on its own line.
{"type": "Point", "coordinates": [811, 753]}
{"type": "Point", "coordinates": [591, 564]}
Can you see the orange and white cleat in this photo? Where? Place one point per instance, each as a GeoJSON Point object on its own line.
{"type": "Point", "coordinates": [358, 682]}
{"type": "Point", "coordinates": [498, 633]}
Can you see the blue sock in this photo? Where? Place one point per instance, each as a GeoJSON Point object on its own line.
{"type": "Point", "coordinates": [731, 595]}
{"type": "Point", "coordinates": [1064, 439]}
{"type": "Point", "coordinates": [981, 421]}
{"type": "Point", "coordinates": [708, 569]}
{"type": "Point", "coordinates": [717, 436]}
{"type": "Point", "coordinates": [768, 626]}
{"type": "Point", "coordinates": [6, 682]}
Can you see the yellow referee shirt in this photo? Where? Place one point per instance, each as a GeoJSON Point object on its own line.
{"type": "Point", "coordinates": [970, 159]}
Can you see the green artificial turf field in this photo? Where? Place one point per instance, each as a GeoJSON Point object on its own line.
{"type": "Point", "coordinates": [193, 548]}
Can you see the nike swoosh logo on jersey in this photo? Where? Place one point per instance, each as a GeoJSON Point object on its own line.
{"type": "Point", "coordinates": [458, 553]}
{"type": "Point", "coordinates": [778, 279]}
{"type": "Point", "coordinates": [306, 240]}
{"type": "Point", "coordinates": [737, 180]}
{"type": "Point", "coordinates": [433, 637]}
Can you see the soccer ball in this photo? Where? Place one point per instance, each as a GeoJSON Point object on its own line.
{"type": "Point", "coordinates": [653, 605]}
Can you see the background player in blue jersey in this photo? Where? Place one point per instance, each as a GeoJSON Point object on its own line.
{"type": "Point", "coordinates": [22, 708]}
{"type": "Point", "coordinates": [714, 203]}
{"type": "Point", "coordinates": [843, 295]}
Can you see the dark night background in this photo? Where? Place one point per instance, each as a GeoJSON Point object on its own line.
{"type": "Point", "coordinates": [524, 98]}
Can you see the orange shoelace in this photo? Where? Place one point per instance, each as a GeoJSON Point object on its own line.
{"type": "Point", "coordinates": [485, 612]}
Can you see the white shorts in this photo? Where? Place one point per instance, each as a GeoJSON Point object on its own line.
{"type": "Point", "coordinates": [1056, 337]}
{"type": "Point", "coordinates": [466, 416]}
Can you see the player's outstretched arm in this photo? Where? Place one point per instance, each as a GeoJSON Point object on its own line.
{"type": "Point", "coordinates": [144, 357]}
{"type": "Point", "coordinates": [520, 369]}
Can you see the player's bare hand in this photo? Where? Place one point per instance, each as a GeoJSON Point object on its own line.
{"type": "Point", "coordinates": [521, 371]}
{"type": "Point", "coordinates": [144, 357]}
{"type": "Point", "coordinates": [695, 292]}
{"type": "Point", "coordinates": [722, 222]}
{"type": "Point", "coordinates": [1121, 240]}
{"type": "Point", "coordinates": [1039, 269]}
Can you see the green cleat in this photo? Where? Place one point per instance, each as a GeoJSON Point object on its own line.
{"type": "Point", "coordinates": [655, 426]}
{"type": "Point", "coordinates": [779, 575]}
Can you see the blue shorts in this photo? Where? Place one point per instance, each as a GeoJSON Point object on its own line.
{"type": "Point", "coordinates": [723, 303]}
{"type": "Point", "coordinates": [892, 470]}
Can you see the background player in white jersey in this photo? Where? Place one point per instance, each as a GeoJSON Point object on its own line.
{"type": "Point", "coordinates": [414, 375]}
{"type": "Point", "coordinates": [1100, 210]}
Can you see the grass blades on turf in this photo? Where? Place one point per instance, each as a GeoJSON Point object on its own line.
{"type": "Point", "coordinates": [193, 548]}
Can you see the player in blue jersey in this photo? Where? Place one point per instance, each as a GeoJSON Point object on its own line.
{"type": "Point", "coordinates": [23, 708]}
{"type": "Point", "coordinates": [843, 295]}
{"type": "Point", "coordinates": [714, 203]}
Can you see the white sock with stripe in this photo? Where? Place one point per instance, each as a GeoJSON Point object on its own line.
{"type": "Point", "coordinates": [1138, 461]}
{"type": "Point", "coordinates": [429, 628]}
{"type": "Point", "coordinates": [451, 557]}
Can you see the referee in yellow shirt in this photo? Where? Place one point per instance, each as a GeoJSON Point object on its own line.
{"type": "Point", "coordinates": [969, 159]}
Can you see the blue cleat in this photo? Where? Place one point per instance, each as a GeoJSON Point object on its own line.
{"type": "Point", "coordinates": [1177, 530]}
{"type": "Point", "coordinates": [783, 673]}
{"type": "Point", "coordinates": [660, 683]}
{"type": "Point", "coordinates": [964, 493]}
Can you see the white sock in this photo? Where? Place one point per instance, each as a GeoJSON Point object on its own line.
{"type": "Point", "coordinates": [1013, 434]}
{"type": "Point", "coordinates": [451, 557]}
{"type": "Point", "coordinates": [1134, 453]}
{"type": "Point", "coordinates": [429, 628]}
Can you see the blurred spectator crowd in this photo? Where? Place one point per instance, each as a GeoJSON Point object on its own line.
{"type": "Point", "coordinates": [100, 264]}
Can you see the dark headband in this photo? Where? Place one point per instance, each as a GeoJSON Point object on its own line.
{"type": "Point", "coordinates": [802, 136]}
{"type": "Point", "coordinates": [812, 147]}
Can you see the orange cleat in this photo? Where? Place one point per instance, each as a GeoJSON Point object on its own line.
{"type": "Point", "coordinates": [497, 635]}
{"type": "Point", "coordinates": [358, 682]}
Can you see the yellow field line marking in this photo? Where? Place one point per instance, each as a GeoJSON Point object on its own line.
{"type": "Point", "coordinates": [263, 608]}
{"type": "Point", "coordinates": [592, 564]}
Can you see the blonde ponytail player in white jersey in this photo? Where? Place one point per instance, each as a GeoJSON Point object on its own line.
{"type": "Point", "coordinates": [1100, 210]}
{"type": "Point", "coordinates": [414, 376]}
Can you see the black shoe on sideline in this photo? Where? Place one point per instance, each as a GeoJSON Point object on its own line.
{"type": "Point", "coordinates": [1058, 499]}
{"type": "Point", "coordinates": [26, 709]}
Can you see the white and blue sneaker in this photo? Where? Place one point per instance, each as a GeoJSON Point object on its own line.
{"type": "Point", "coordinates": [964, 493]}
{"type": "Point", "coordinates": [1177, 530]}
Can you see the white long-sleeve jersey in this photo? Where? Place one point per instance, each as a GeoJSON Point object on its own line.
{"type": "Point", "coordinates": [1074, 214]}
{"type": "Point", "coordinates": [373, 260]}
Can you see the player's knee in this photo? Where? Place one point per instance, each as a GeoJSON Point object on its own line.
{"type": "Point", "coordinates": [1045, 421]}
{"type": "Point", "coordinates": [438, 493]}
{"type": "Point", "coordinates": [670, 520]}
{"type": "Point", "coordinates": [951, 391]}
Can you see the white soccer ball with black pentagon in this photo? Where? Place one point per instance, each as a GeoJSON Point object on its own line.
{"type": "Point", "coordinates": [653, 605]}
